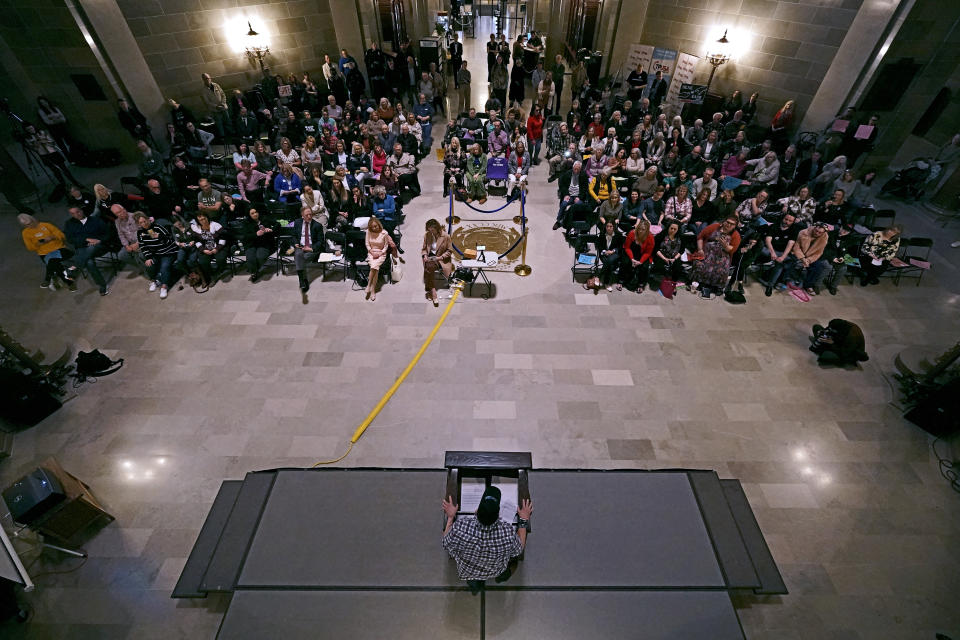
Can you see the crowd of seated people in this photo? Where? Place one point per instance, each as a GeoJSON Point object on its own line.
{"type": "Point", "coordinates": [474, 144]}
{"type": "Point", "coordinates": [703, 206]}
{"type": "Point", "coordinates": [343, 157]}
{"type": "Point", "coordinates": [668, 189]}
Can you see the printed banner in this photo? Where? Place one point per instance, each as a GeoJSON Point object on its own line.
{"type": "Point", "coordinates": [683, 74]}
{"type": "Point", "coordinates": [663, 60]}
{"type": "Point", "coordinates": [638, 54]}
{"type": "Point", "coordinates": [693, 93]}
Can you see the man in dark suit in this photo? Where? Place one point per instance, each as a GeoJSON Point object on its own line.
{"type": "Point", "coordinates": [307, 244]}
{"type": "Point", "coordinates": [456, 58]}
{"type": "Point", "coordinates": [657, 92]}
{"type": "Point", "coordinates": [574, 188]}
{"type": "Point", "coordinates": [376, 64]}
{"type": "Point", "coordinates": [246, 127]}
{"type": "Point", "coordinates": [807, 170]}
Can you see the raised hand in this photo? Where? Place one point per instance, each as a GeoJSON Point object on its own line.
{"type": "Point", "coordinates": [450, 508]}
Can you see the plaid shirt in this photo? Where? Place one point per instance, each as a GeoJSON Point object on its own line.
{"type": "Point", "coordinates": [481, 552]}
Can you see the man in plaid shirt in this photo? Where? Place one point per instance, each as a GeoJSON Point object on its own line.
{"type": "Point", "coordinates": [483, 545]}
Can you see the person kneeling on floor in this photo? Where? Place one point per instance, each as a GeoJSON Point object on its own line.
{"type": "Point", "coordinates": [483, 545]}
{"type": "Point", "coordinates": [840, 343]}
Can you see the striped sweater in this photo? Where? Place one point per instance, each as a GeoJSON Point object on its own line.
{"type": "Point", "coordinates": [155, 242]}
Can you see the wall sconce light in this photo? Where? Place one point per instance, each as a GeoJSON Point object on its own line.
{"type": "Point", "coordinates": [256, 47]}
{"type": "Point", "coordinates": [717, 55]}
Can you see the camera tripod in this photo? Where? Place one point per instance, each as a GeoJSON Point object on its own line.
{"type": "Point", "coordinates": [36, 169]}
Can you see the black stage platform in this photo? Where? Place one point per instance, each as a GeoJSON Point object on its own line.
{"type": "Point", "coordinates": [613, 554]}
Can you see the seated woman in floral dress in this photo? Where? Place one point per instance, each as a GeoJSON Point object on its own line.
{"type": "Point", "coordinates": [715, 247]}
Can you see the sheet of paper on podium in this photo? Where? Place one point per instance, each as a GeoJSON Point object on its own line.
{"type": "Point", "coordinates": [471, 490]}
{"type": "Point", "coordinates": [508, 498]}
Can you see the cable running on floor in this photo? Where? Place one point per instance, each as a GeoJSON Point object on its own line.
{"type": "Point", "coordinates": [396, 385]}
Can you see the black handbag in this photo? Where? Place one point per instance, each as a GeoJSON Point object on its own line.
{"type": "Point", "coordinates": [95, 365]}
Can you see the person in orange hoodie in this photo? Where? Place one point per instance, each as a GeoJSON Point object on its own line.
{"type": "Point", "coordinates": [48, 242]}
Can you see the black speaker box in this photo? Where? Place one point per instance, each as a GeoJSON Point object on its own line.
{"type": "Point", "coordinates": [939, 414]}
{"type": "Point", "coordinates": [23, 401]}
{"type": "Point", "coordinates": [33, 495]}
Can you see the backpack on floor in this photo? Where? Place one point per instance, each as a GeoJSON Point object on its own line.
{"type": "Point", "coordinates": [95, 365]}
{"type": "Point", "coordinates": [196, 280]}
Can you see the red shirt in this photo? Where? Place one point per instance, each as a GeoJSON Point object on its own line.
{"type": "Point", "coordinates": [534, 128]}
{"type": "Point", "coordinates": [708, 231]}
{"type": "Point", "coordinates": [646, 249]}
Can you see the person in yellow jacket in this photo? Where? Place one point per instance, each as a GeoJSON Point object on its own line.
{"type": "Point", "coordinates": [601, 186]}
{"type": "Point", "coordinates": [48, 242]}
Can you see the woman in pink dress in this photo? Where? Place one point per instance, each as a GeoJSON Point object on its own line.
{"type": "Point", "coordinates": [379, 243]}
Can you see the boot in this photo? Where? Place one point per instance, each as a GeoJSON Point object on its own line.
{"type": "Point", "coordinates": [304, 285]}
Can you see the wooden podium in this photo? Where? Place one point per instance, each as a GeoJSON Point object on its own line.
{"type": "Point", "coordinates": [486, 464]}
{"type": "Point", "coordinates": [68, 521]}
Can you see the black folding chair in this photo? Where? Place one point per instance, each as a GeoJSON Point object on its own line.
{"type": "Point", "coordinates": [915, 256]}
{"type": "Point", "coordinates": [882, 219]}
{"type": "Point", "coordinates": [286, 238]}
{"type": "Point", "coordinates": [585, 262]}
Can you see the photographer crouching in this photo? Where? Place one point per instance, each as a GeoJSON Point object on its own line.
{"type": "Point", "coordinates": [840, 343]}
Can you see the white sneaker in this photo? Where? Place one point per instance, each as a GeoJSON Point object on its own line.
{"type": "Point", "coordinates": [163, 293]}
{"type": "Point", "coordinates": [153, 286]}
{"type": "Point", "coordinates": [955, 244]}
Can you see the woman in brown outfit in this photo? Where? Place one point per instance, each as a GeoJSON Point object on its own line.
{"type": "Point", "coordinates": [436, 252]}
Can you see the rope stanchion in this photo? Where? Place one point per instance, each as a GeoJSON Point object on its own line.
{"type": "Point", "coordinates": [523, 208]}
{"type": "Point", "coordinates": [523, 269]}
{"type": "Point", "coordinates": [521, 219]}
{"type": "Point", "coordinates": [505, 205]}
{"type": "Point", "coordinates": [452, 219]}
{"type": "Point", "coordinates": [523, 224]}
{"type": "Point", "coordinates": [450, 223]}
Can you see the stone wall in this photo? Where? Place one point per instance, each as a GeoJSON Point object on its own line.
{"type": "Point", "coordinates": [931, 37]}
{"type": "Point", "coordinates": [180, 39]}
{"type": "Point", "coordinates": [792, 43]}
{"type": "Point", "coordinates": [39, 50]}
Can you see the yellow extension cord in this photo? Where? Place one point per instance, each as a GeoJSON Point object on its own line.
{"type": "Point", "coordinates": [396, 385]}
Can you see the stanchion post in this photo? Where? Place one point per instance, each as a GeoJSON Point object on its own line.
{"type": "Point", "coordinates": [523, 269]}
{"type": "Point", "coordinates": [452, 219]}
{"type": "Point", "coordinates": [523, 189]}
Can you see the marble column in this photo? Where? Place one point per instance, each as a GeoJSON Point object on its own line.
{"type": "Point", "coordinates": [119, 46]}
{"type": "Point", "coordinates": [626, 23]}
{"type": "Point", "coordinates": [346, 21]}
{"type": "Point", "coordinates": [853, 56]}
{"type": "Point", "coordinates": [556, 27]}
